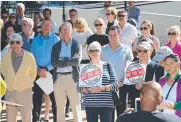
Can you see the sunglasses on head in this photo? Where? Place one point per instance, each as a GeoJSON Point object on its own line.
{"type": "Point", "coordinates": [13, 42]}
{"type": "Point", "coordinates": [143, 28]}
{"type": "Point", "coordinates": [121, 15]}
{"type": "Point", "coordinates": [172, 34]}
{"type": "Point", "coordinates": [144, 51]}
{"type": "Point", "coordinates": [92, 51]}
{"type": "Point", "coordinates": [96, 25]}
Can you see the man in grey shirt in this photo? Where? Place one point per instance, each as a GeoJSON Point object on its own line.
{"type": "Point", "coordinates": [117, 53]}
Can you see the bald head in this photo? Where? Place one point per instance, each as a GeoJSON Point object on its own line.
{"type": "Point", "coordinates": [150, 96]}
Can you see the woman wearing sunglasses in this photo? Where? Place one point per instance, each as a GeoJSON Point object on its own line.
{"type": "Point", "coordinates": [111, 18]}
{"type": "Point", "coordinates": [174, 40]}
{"type": "Point", "coordinates": [81, 33]}
{"type": "Point", "coordinates": [100, 35]}
{"type": "Point", "coordinates": [147, 31]}
{"type": "Point", "coordinates": [98, 100]}
{"type": "Point", "coordinates": [171, 82]}
{"type": "Point", "coordinates": [12, 21]}
{"type": "Point", "coordinates": [19, 71]}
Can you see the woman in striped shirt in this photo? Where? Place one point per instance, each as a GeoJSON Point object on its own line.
{"type": "Point", "coordinates": [98, 100]}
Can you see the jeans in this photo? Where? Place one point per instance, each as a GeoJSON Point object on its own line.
{"type": "Point", "coordinates": [105, 114]}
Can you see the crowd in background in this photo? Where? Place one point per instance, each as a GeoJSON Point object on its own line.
{"type": "Point", "coordinates": [39, 46]}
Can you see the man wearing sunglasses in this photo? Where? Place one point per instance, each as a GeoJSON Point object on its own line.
{"type": "Point", "coordinates": [150, 99]}
{"type": "Point", "coordinates": [19, 71]}
{"type": "Point", "coordinates": [128, 31]}
{"type": "Point", "coordinates": [4, 15]}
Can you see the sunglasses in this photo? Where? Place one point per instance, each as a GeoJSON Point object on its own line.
{"type": "Point", "coordinates": [12, 17]}
{"type": "Point", "coordinates": [121, 15]}
{"type": "Point", "coordinates": [96, 25]}
{"type": "Point", "coordinates": [144, 51]}
{"type": "Point", "coordinates": [13, 42]}
{"type": "Point", "coordinates": [4, 17]}
{"type": "Point", "coordinates": [107, 14]}
{"type": "Point", "coordinates": [143, 28]}
{"type": "Point", "coordinates": [172, 34]}
{"type": "Point", "coordinates": [92, 51]}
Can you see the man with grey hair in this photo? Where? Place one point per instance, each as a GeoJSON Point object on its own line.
{"type": "Point", "coordinates": [20, 9]}
{"type": "Point", "coordinates": [27, 33]}
{"type": "Point", "coordinates": [41, 49]}
{"type": "Point", "coordinates": [65, 58]}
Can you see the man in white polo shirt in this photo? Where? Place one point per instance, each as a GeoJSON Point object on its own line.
{"type": "Point", "coordinates": [128, 31]}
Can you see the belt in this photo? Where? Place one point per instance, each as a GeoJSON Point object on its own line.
{"type": "Point", "coordinates": [64, 73]}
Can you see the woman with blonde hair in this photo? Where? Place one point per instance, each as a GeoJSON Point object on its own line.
{"type": "Point", "coordinates": [100, 35]}
{"type": "Point", "coordinates": [147, 30]}
{"type": "Point", "coordinates": [81, 33]}
{"type": "Point", "coordinates": [174, 39]}
{"type": "Point", "coordinates": [111, 17]}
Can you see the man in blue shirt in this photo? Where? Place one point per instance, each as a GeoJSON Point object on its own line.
{"type": "Point", "coordinates": [133, 12]}
{"type": "Point", "coordinates": [27, 33]}
{"type": "Point", "coordinates": [117, 54]}
{"type": "Point", "coordinates": [41, 49]}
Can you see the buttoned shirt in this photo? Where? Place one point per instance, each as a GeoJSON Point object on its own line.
{"type": "Point", "coordinates": [41, 49]}
{"type": "Point", "coordinates": [27, 41]}
{"type": "Point", "coordinates": [118, 58]}
{"type": "Point", "coordinates": [65, 54]}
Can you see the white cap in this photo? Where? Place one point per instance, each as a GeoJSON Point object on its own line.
{"type": "Point", "coordinates": [16, 37]}
{"type": "Point", "coordinates": [145, 45]}
{"type": "Point", "coordinates": [94, 46]}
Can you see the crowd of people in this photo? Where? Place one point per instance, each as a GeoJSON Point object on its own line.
{"type": "Point", "coordinates": [36, 47]}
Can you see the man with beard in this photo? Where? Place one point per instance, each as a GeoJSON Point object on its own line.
{"type": "Point", "coordinates": [47, 15]}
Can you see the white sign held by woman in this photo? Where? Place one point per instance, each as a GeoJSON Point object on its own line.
{"type": "Point", "coordinates": [90, 75]}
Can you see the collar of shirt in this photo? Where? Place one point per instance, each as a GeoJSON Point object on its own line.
{"type": "Point", "coordinates": [176, 77]}
{"type": "Point", "coordinates": [49, 35]}
{"type": "Point", "coordinates": [70, 43]}
{"type": "Point", "coordinates": [30, 37]}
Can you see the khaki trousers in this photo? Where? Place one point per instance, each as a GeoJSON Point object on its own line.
{"type": "Point", "coordinates": [23, 98]}
{"type": "Point", "coordinates": [65, 85]}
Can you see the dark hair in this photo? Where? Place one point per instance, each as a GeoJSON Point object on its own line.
{"type": "Point", "coordinates": [6, 27]}
{"type": "Point", "coordinates": [149, 23]}
{"type": "Point", "coordinates": [174, 57]}
{"type": "Point", "coordinates": [47, 9]}
{"type": "Point", "coordinates": [72, 10]}
{"type": "Point", "coordinates": [4, 11]}
{"type": "Point", "coordinates": [11, 15]}
{"type": "Point", "coordinates": [122, 11]}
{"type": "Point", "coordinates": [152, 31]}
{"type": "Point", "coordinates": [115, 28]}
{"type": "Point", "coordinates": [40, 15]}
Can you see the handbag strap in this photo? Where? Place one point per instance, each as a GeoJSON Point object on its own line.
{"type": "Point", "coordinates": [176, 79]}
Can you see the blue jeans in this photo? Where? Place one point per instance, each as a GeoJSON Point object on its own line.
{"type": "Point", "coordinates": [105, 114]}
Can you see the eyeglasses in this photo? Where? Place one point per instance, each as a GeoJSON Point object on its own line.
{"type": "Point", "coordinates": [121, 15]}
{"type": "Point", "coordinates": [107, 14]}
{"type": "Point", "coordinates": [12, 17]}
{"type": "Point", "coordinates": [172, 34]}
{"type": "Point", "coordinates": [92, 51]}
{"type": "Point", "coordinates": [144, 51]}
{"type": "Point", "coordinates": [13, 42]}
{"type": "Point", "coordinates": [143, 28]}
{"type": "Point", "coordinates": [4, 17]}
{"type": "Point", "coordinates": [96, 25]}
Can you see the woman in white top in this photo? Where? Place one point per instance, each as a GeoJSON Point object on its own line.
{"type": "Point", "coordinates": [81, 33]}
{"type": "Point", "coordinates": [147, 30]}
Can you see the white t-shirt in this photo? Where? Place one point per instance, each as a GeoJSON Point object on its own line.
{"type": "Point", "coordinates": [172, 94]}
{"type": "Point", "coordinates": [82, 39]}
{"type": "Point", "coordinates": [128, 35]}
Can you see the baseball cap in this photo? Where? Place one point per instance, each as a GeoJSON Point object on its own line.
{"type": "Point", "coordinates": [94, 46]}
{"type": "Point", "coordinates": [16, 37]}
{"type": "Point", "coordinates": [145, 45]}
{"type": "Point", "coordinates": [162, 53]}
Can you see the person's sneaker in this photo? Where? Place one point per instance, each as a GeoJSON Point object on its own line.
{"type": "Point", "coordinates": [66, 115]}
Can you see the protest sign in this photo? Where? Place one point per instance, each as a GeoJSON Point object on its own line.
{"type": "Point", "coordinates": [90, 75]}
{"type": "Point", "coordinates": [135, 73]}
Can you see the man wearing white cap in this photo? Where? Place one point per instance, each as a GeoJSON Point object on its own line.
{"type": "Point", "coordinates": [19, 71]}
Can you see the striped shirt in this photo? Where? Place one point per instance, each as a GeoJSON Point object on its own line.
{"type": "Point", "coordinates": [104, 98]}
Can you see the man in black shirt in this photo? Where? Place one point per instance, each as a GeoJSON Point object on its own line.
{"type": "Point", "coordinates": [150, 98]}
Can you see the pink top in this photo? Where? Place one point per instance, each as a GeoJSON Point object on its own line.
{"type": "Point", "coordinates": [177, 48]}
